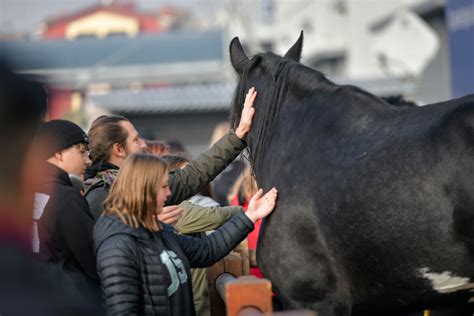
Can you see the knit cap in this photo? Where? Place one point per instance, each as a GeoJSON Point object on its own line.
{"type": "Point", "coordinates": [61, 134]}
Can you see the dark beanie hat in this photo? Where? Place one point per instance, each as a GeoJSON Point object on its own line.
{"type": "Point", "coordinates": [61, 134]}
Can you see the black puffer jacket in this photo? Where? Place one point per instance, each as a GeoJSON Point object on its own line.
{"type": "Point", "coordinates": [145, 273]}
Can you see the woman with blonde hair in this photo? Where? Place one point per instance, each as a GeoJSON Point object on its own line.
{"type": "Point", "coordinates": [144, 265]}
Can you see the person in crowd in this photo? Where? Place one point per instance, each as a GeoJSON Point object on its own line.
{"type": "Point", "coordinates": [244, 187]}
{"type": "Point", "coordinates": [113, 138]}
{"type": "Point", "coordinates": [240, 194]}
{"type": "Point", "coordinates": [27, 287]}
{"type": "Point", "coordinates": [202, 198]}
{"type": "Point", "coordinates": [144, 265]}
{"type": "Point", "coordinates": [201, 214]}
{"type": "Point", "coordinates": [157, 147]}
{"type": "Point", "coordinates": [63, 222]}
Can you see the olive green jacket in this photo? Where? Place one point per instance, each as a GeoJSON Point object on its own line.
{"type": "Point", "coordinates": [186, 182]}
{"type": "Point", "coordinates": [200, 219]}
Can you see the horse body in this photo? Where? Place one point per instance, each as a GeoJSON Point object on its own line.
{"type": "Point", "coordinates": [376, 203]}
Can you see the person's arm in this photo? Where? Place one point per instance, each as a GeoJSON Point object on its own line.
{"type": "Point", "coordinates": [203, 252]}
{"type": "Point", "coordinates": [119, 275]}
{"type": "Point", "coordinates": [198, 173]}
{"type": "Point", "coordinates": [196, 218]}
{"type": "Point", "coordinates": [74, 226]}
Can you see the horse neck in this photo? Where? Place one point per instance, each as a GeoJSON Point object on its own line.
{"type": "Point", "coordinates": [304, 81]}
{"type": "Point", "coordinates": [318, 98]}
{"type": "Point", "coordinates": [327, 100]}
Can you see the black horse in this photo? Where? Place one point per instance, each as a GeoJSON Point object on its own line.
{"type": "Point", "coordinates": [376, 202]}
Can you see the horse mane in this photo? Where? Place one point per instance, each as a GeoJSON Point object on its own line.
{"type": "Point", "coordinates": [286, 77]}
{"type": "Point", "coordinates": [271, 90]}
{"type": "Point", "coordinates": [239, 98]}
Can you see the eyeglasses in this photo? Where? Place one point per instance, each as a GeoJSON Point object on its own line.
{"type": "Point", "coordinates": [83, 150]}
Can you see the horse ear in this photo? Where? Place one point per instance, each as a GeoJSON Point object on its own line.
{"type": "Point", "coordinates": [237, 55]}
{"type": "Point", "coordinates": [294, 53]}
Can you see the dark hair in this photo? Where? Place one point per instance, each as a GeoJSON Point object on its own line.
{"type": "Point", "coordinates": [23, 104]}
{"type": "Point", "coordinates": [106, 131]}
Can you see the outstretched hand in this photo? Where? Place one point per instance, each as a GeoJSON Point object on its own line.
{"type": "Point", "coordinates": [261, 205]}
{"type": "Point", "coordinates": [247, 114]}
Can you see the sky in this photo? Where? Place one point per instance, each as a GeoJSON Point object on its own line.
{"type": "Point", "coordinates": [27, 15]}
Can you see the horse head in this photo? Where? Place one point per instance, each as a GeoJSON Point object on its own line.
{"type": "Point", "coordinates": [268, 73]}
{"type": "Point", "coordinates": [240, 60]}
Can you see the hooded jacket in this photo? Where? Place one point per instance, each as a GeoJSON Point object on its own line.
{"type": "Point", "coordinates": [148, 273]}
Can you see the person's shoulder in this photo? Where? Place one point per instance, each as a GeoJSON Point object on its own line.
{"type": "Point", "coordinates": [96, 196]}
{"type": "Point", "coordinates": [109, 230]}
{"type": "Point", "coordinates": [120, 239]}
{"type": "Point", "coordinates": [117, 245]}
{"type": "Point", "coordinates": [117, 250]}
{"type": "Point", "coordinates": [95, 187]}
